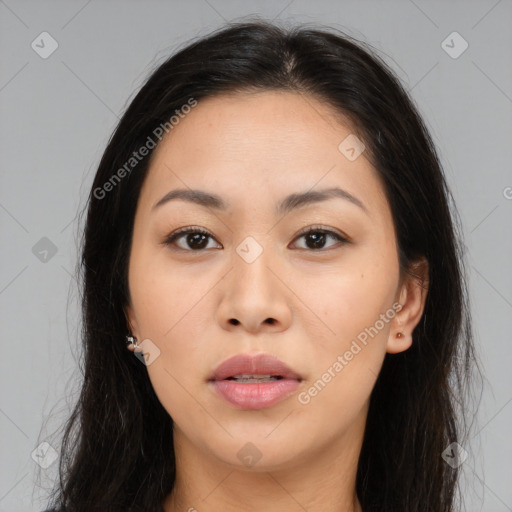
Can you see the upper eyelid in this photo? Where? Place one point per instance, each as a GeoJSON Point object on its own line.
{"type": "Point", "coordinates": [315, 228]}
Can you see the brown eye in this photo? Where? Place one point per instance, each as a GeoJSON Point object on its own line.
{"type": "Point", "coordinates": [317, 238]}
{"type": "Point", "coordinates": [190, 239]}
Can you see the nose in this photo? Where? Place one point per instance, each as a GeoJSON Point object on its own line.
{"type": "Point", "coordinates": [254, 297]}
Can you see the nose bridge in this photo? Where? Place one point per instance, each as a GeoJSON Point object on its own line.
{"type": "Point", "coordinates": [251, 271]}
{"type": "Point", "coordinates": [252, 294]}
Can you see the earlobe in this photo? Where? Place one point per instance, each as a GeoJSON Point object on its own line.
{"type": "Point", "coordinates": [412, 297]}
{"type": "Point", "coordinates": [398, 342]}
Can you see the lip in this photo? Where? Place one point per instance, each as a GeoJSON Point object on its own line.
{"type": "Point", "coordinates": [254, 395]}
{"type": "Point", "coordinates": [259, 364]}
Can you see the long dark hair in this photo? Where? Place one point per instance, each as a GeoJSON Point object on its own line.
{"type": "Point", "coordinates": [117, 449]}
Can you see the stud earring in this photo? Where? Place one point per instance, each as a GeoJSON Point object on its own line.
{"type": "Point", "coordinates": [131, 342]}
{"type": "Point", "coordinates": [399, 335]}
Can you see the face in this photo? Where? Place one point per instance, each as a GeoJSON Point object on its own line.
{"type": "Point", "coordinates": [247, 278]}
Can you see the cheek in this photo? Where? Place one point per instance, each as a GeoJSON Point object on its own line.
{"type": "Point", "coordinates": [348, 346]}
{"type": "Point", "coordinates": [347, 300]}
{"type": "Point", "coordinates": [175, 326]}
{"type": "Point", "coordinates": [166, 297]}
{"type": "Point", "coordinates": [170, 311]}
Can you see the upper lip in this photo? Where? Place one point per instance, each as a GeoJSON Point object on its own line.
{"type": "Point", "coordinates": [259, 364]}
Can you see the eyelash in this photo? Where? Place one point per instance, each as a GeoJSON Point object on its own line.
{"type": "Point", "coordinates": [197, 230]}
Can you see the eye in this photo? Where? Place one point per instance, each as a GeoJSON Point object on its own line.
{"type": "Point", "coordinates": [193, 238]}
{"type": "Point", "coordinates": [316, 238]}
{"type": "Point", "coordinates": [197, 239]}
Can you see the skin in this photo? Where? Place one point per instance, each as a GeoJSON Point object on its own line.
{"type": "Point", "coordinates": [253, 150]}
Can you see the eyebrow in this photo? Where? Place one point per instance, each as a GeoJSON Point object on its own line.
{"type": "Point", "coordinates": [289, 203]}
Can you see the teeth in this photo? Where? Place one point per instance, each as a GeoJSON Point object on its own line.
{"type": "Point", "coordinates": [253, 378]}
{"type": "Point", "coordinates": [250, 376]}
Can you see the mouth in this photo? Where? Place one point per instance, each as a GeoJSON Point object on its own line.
{"type": "Point", "coordinates": [251, 379]}
{"type": "Point", "coordinates": [254, 382]}
{"type": "Point", "coordinates": [260, 366]}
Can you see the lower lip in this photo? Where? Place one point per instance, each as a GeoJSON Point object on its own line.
{"type": "Point", "coordinates": [254, 395]}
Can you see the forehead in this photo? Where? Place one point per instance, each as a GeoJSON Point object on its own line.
{"type": "Point", "coordinates": [266, 143]}
{"type": "Point", "coordinates": [241, 123]}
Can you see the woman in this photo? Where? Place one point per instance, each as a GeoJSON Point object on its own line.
{"type": "Point", "coordinates": [269, 232]}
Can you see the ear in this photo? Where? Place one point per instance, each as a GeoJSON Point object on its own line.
{"type": "Point", "coordinates": [411, 295]}
{"type": "Point", "coordinates": [132, 324]}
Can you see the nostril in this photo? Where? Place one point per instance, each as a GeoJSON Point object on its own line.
{"type": "Point", "coordinates": [270, 321]}
{"type": "Point", "coordinates": [234, 321]}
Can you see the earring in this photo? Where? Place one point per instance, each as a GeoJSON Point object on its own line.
{"type": "Point", "coordinates": [131, 342]}
{"type": "Point", "coordinates": [399, 335]}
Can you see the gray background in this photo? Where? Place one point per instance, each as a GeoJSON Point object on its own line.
{"type": "Point", "coordinates": [58, 113]}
